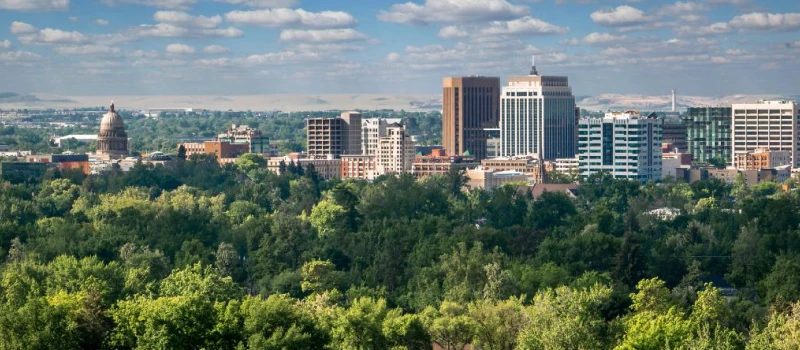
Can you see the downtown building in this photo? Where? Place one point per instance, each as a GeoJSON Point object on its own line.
{"type": "Point", "coordinates": [538, 117]}
{"type": "Point", "coordinates": [708, 133]}
{"type": "Point", "coordinates": [766, 125]}
{"type": "Point", "coordinates": [469, 113]}
{"type": "Point", "coordinates": [625, 144]}
{"type": "Point", "coordinates": [332, 137]}
{"type": "Point", "coordinates": [395, 151]}
{"type": "Point", "coordinates": [372, 129]}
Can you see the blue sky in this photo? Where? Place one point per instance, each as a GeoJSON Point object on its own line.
{"type": "Point", "coordinates": [227, 47]}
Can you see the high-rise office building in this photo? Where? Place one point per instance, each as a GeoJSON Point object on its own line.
{"type": "Point", "coordinates": [674, 133]}
{"type": "Point", "coordinates": [708, 133]}
{"type": "Point", "coordinates": [324, 137]}
{"type": "Point", "coordinates": [351, 132]}
{"type": "Point", "coordinates": [767, 125]}
{"type": "Point", "coordinates": [395, 151]}
{"type": "Point", "coordinates": [537, 117]}
{"type": "Point", "coordinates": [373, 129]}
{"type": "Point", "coordinates": [625, 144]}
{"type": "Point", "coordinates": [469, 107]}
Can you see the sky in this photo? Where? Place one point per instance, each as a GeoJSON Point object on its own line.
{"type": "Point", "coordinates": [235, 47]}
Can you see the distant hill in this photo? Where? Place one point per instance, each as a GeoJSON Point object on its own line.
{"type": "Point", "coordinates": [316, 102]}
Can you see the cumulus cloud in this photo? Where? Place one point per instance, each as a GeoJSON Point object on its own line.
{"type": "Point", "coordinates": [683, 8]}
{"type": "Point", "coordinates": [215, 49]}
{"type": "Point", "coordinates": [5, 44]}
{"type": "Point", "coordinates": [87, 50]}
{"type": "Point", "coordinates": [720, 60]}
{"type": "Point", "coordinates": [34, 5]}
{"type": "Point", "coordinates": [523, 26]}
{"type": "Point", "coordinates": [18, 56]}
{"type": "Point", "coordinates": [166, 4]}
{"type": "Point", "coordinates": [165, 30]}
{"type": "Point", "coordinates": [284, 17]}
{"type": "Point", "coordinates": [393, 57]}
{"type": "Point", "coordinates": [712, 29]}
{"type": "Point", "coordinates": [179, 49]}
{"type": "Point", "coordinates": [759, 21]}
{"type": "Point", "coordinates": [262, 3]}
{"type": "Point", "coordinates": [185, 19]}
{"type": "Point", "coordinates": [283, 57]}
{"type": "Point", "coordinates": [619, 17]}
{"type": "Point", "coordinates": [101, 22]}
{"type": "Point", "coordinates": [453, 32]}
{"type": "Point", "coordinates": [73, 19]}
{"type": "Point", "coordinates": [602, 39]}
{"type": "Point", "coordinates": [29, 34]}
{"type": "Point", "coordinates": [452, 11]}
{"type": "Point", "coordinates": [323, 35]}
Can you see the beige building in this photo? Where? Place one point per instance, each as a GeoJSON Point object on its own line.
{"type": "Point", "coordinates": [326, 168]}
{"type": "Point", "coordinates": [112, 141]}
{"type": "Point", "coordinates": [526, 165]}
{"type": "Point", "coordinates": [761, 159]}
{"type": "Point", "coordinates": [324, 137]}
{"type": "Point", "coordinates": [438, 163]}
{"type": "Point", "coordinates": [373, 129]}
{"type": "Point", "coordinates": [769, 125]}
{"type": "Point", "coordinates": [469, 106]}
{"type": "Point", "coordinates": [395, 151]}
{"type": "Point", "coordinates": [489, 179]}
{"type": "Point", "coordinates": [358, 167]}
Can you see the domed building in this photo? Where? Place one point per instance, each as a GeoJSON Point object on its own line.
{"type": "Point", "coordinates": [112, 140]}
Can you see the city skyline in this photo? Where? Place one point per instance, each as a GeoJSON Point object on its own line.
{"type": "Point", "coordinates": [195, 47]}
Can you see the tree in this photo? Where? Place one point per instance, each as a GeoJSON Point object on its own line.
{"type": "Point", "coordinates": [320, 276]}
{"type": "Point", "coordinates": [449, 325]}
{"type": "Point", "coordinates": [227, 259]}
{"type": "Point", "coordinates": [631, 265]}
{"type": "Point", "coordinates": [278, 323]}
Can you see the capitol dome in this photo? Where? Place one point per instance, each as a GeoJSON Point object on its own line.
{"type": "Point", "coordinates": [112, 139]}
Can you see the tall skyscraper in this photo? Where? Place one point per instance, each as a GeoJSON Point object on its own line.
{"type": "Point", "coordinates": [766, 125]}
{"type": "Point", "coordinates": [395, 151]}
{"type": "Point", "coordinates": [708, 133]}
{"type": "Point", "coordinates": [537, 116]}
{"type": "Point", "coordinates": [469, 106]}
{"type": "Point", "coordinates": [625, 144]}
{"type": "Point", "coordinates": [351, 132]}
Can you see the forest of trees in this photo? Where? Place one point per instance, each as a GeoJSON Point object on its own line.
{"type": "Point", "coordinates": [198, 256]}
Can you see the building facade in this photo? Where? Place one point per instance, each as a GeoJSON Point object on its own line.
{"type": "Point", "coordinates": [488, 180]}
{"type": "Point", "coordinates": [112, 140]}
{"type": "Point", "coordinates": [761, 159]}
{"type": "Point", "coordinates": [351, 132]}
{"type": "Point", "coordinates": [438, 163]}
{"type": "Point", "coordinates": [359, 167]}
{"type": "Point", "coordinates": [373, 129]}
{"type": "Point", "coordinates": [625, 144]}
{"type": "Point", "coordinates": [220, 149]}
{"type": "Point", "coordinates": [674, 131]}
{"type": "Point", "coordinates": [256, 141]}
{"type": "Point", "coordinates": [537, 116]}
{"type": "Point", "coordinates": [708, 133]}
{"type": "Point", "coordinates": [395, 151]}
{"type": "Point", "coordinates": [770, 125]}
{"type": "Point", "coordinates": [469, 107]}
{"type": "Point", "coordinates": [324, 137]}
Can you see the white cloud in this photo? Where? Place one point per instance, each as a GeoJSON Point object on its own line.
{"type": "Point", "coordinates": [602, 39]}
{"type": "Point", "coordinates": [34, 5]}
{"type": "Point", "coordinates": [73, 19]}
{"type": "Point", "coordinates": [87, 50]}
{"type": "Point", "coordinates": [29, 34]}
{"type": "Point", "coordinates": [759, 21]}
{"type": "Point", "coordinates": [323, 35]}
{"type": "Point", "coordinates": [683, 8]}
{"type": "Point", "coordinates": [452, 11]}
{"type": "Point", "coordinates": [316, 47]}
{"type": "Point", "coordinates": [179, 49]}
{"type": "Point", "coordinates": [283, 57]}
{"type": "Point", "coordinates": [720, 60]}
{"type": "Point", "coordinates": [5, 44]}
{"type": "Point", "coordinates": [165, 30]}
{"type": "Point", "coordinates": [101, 22]}
{"type": "Point", "coordinates": [215, 49]}
{"type": "Point", "coordinates": [619, 17]}
{"type": "Point", "coordinates": [166, 4]}
{"type": "Point", "coordinates": [452, 32]}
{"type": "Point", "coordinates": [712, 29]}
{"type": "Point", "coordinates": [18, 56]}
{"type": "Point", "coordinates": [273, 18]}
{"type": "Point", "coordinates": [523, 26]}
{"type": "Point", "coordinates": [262, 3]}
{"type": "Point", "coordinates": [184, 19]}
{"type": "Point", "coordinates": [393, 57]}
{"type": "Point", "coordinates": [215, 62]}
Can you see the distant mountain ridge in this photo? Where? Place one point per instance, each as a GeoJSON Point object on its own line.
{"type": "Point", "coordinates": [324, 102]}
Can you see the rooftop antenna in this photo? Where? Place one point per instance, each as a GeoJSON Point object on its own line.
{"type": "Point", "coordinates": [533, 66]}
{"type": "Point", "coordinates": [673, 100]}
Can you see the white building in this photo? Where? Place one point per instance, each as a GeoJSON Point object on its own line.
{"type": "Point", "coordinates": [625, 144]}
{"type": "Point", "coordinates": [373, 129]}
{"type": "Point", "coordinates": [395, 151]}
{"type": "Point", "coordinates": [768, 125]}
{"type": "Point", "coordinates": [537, 116]}
{"type": "Point", "coordinates": [566, 165]}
